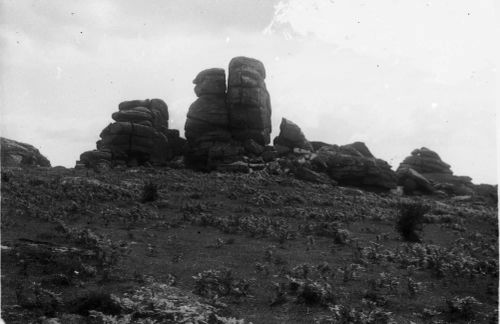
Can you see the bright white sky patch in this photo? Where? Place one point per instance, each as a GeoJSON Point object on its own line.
{"type": "Point", "coordinates": [396, 75]}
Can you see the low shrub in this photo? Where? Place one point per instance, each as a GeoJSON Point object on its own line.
{"type": "Point", "coordinates": [149, 192]}
{"type": "Point", "coordinates": [462, 308]}
{"type": "Point", "coordinates": [410, 220]}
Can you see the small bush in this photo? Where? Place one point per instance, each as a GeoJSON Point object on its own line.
{"type": "Point", "coordinates": [410, 220]}
{"type": "Point", "coordinates": [149, 192]}
{"type": "Point", "coordinates": [463, 308]}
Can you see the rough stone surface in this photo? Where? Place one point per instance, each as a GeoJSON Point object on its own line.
{"type": "Point", "coordinates": [350, 167]}
{"type": "Point", "coordinates": [210, 82]}
{"type": "Point", "coordinates": [17, 154]}
{"type": "Point", "coordinates": [413, 182]}
{"type": "Point", "coordinates": [291, 136]}
{"type": "Point", "coordinates": [207, 120]}
{"type": "Point", "coordinates": [425, 161]}
{"type": "Point", "coordinates": [429, 165]}
{"type": "Point", "coordinates": [139, 136]}
{"type": "Point", "coordinates": [248, 101]}
{"type": "Point", "coordinates": [207, 124]}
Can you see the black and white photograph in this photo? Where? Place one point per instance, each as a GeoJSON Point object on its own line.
{"type": "Point", "coordinates": [249, 161]}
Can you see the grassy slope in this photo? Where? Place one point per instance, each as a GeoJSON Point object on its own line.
{"type": "Point", "coordinates": [263, 218]}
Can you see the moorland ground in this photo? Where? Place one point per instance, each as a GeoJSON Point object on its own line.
{"type": "Point", "coordinates": [165, 245]}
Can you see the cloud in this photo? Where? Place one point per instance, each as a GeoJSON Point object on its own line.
{"type": "Point", "coordinates": [390, 80]}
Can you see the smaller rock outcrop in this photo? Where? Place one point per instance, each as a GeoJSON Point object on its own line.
{"type": "Point", "coordinates": [425, 161]}
{"type": "Point", "coordinates": [424, 167]}
{"type": "Point", "coordinates": [17, 154]}
{"type": "Point", "coordinates": [291, 136]}
{"type": "Point", "coordinates": [139, 135]}
{"type": "Point", "coordinates": [413, 182]}
{"type": "Point", "coordinates": [348, 166]}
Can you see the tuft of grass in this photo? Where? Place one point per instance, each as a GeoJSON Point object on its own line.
{"type": "Point", "coordinates": [149, 192]}
{"type": "Point", "coordinates": [410, 220]}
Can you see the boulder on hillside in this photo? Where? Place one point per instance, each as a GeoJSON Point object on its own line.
{"type": "Point", "coordinates": [291, 136]}
{"type": "Point", "coordinates": [429, 165]}
{"type": "Point", "coordinates": [425, 161]}
{"type": "Point", "coordinates": [359, 147]}
{"type": "Point", "coordinates": [413, 182]}
{"type": "Point", "coordinates": [248, 101]}
{"type": "Point", "coordinates": [350, 167]}
{"type": "Point", "coordinates": [17, 154]}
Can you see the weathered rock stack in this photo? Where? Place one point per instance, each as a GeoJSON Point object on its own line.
{"type": "Point", "coordinates": [424, 172]}
{"type": "Point", "coordinates": [139, 135]}
{"type": "Point", "coordinates": [17, 154]}
{"type": "Point", "coordinates": [354, 165]}
{"type": "Point", "coordinates": [248, 101]}
{"type": "Point", "coordinates": [221, 125]}
{"type": "Point", "coordinates": [291, 137]}
{"type": "Point", "coordinates": [207, 123]}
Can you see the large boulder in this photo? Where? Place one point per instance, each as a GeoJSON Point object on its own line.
{"type": "Point", "coordinates": [17, 154]}
{"type": "Point", "coordinates": [210, 82]}
{"type": "Point", "coordinates": [413, 182]}
{"type": "Point", "coordinates": [429, 165]}
{"type": "Point", "coordinates": [291, 136]}
{"type": "Point", "coordinates": [425, 161]}
{"type": "Point", "coordinates": [350, 167]}
{"type": "Point", "coordinates": [360, 147]}
{"type": "Point", "coordinates": [248, 101]}
{"type": "Point", "coordinates": [207, 125]}
{"type": "Point", "coordinates": [207, 120]}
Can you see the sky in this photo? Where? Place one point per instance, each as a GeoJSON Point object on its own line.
{"type": "Point", "coordinates": [397, 75]}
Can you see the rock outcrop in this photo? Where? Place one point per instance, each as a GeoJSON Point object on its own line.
{"type": "Point", "coordinates": [223, 126]}
{"type": "Point", "coordinates": [248, 101]}
{"type": "Point", "coordinates": [207, 124]}
{"type": "Point", "coordinates": [348, 166]}
{"type": "Point", "coordinates": [208, 118]}
{"type": "Point", "coordinates": [291, 136]}
{"type": "Point", "coordinates": [413, 182]}
{"type": "Point", "coordinates": [425, 161]}
{"type": "Point", "coordinates": [138, 136]}
{"type": "Point", "coordinates": [17, 154]}
{"type": "Point", "coordinates": [428, 165]}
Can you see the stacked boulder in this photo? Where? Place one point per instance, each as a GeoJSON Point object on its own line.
{"type": "Point", "coordinates": [424, 172]}
{"type": "Point", "coordinates": [248, 101]}
{"type": "Point", "coordinates": [354, 165]}
{"type": "Point", "coordinates": [138, 136]}
{"type": "Point", "coordinates": [208, 118]}
{"type": "Point", "coordinates": [291, 137]}
{"type": "Point", "coordinates": [207, 123]}
{"type": "Point", "coordinates": [17, 154]}
{"type": "Point", "coordinates": [224, 126]}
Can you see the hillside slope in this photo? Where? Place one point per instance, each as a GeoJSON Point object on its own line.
{"type": "Point", "coordinates": [79, 247]}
